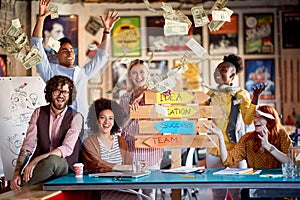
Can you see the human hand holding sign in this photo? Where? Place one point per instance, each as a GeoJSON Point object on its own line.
{"type": "Point", "coordinates": [138, 97]}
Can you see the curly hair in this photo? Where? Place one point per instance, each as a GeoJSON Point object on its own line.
{"type": "Point", "coordinates": [54, 83]}
{"type": "Point", "coordinates": [236, 60]}
{"type": "Point", "coordinates": [104, 104]}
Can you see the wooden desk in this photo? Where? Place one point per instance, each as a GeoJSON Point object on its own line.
{"type": "Point", "coordinates": [157, 179]}
{"type": "Point", "coordinates": [30, 192]}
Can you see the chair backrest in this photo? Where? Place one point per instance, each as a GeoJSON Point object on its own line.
{"type": "Point", "coordinates": [190, 157]}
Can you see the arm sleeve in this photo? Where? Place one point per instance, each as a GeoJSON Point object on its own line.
{"type": "Point", "coordinates": [29, 142]}
{"type": "Point", "coordinates": [44, 67]}
{"type": "Point", "coordinates": [285, 141]}
{"type": "Point", "coordinates": [246, 107]}
{"type": "Point", "coordinates": [126, 157]}
{"type": "Point", "coordinates": [92, 158]}
{"type": "Point", "coordinates": [71, 137]}
{"type": "Point", "coordinates": [96, 64]}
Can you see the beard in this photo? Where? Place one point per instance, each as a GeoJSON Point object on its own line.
{"type": "Point", "coordinates": [59, 106]}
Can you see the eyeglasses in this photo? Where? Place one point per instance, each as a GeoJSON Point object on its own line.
{"type": "Point", "coordinates": [58, 92]}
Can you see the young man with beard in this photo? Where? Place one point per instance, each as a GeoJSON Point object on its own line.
{"type": "Point", "coordinates": [51, 145]}
{"type": "Point", "coordinates": [66, 57]}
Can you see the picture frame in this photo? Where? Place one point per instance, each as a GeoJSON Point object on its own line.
{"type": "Point", "coordinates": [64, 26]}
{"type": "Point", "coordinates": [126, 37]}
{"type": "Point", "coordinates": [259, 33]}
{"type": "Point", "coordinates": [259, 71]}
{"type": "Point", "coordinates": [290, 34]}
{"type": "Point", "coordinates": [224, 40]}
{"type": "Point", "coordinates": [94, 94]}
{"type": "Point", "coordinates": [3, 65]}
{"type": "Point", "coordinates": [155, 32]}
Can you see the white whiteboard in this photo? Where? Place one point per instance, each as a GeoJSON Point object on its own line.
{"type": "Point", "coordinates": [19, 96]}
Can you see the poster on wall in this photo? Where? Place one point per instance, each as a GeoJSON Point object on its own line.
{"type": "Point", "coordinates": [3, 65]}
{"type": "Point", "coordinates": [259, 71]}
{"type": "Point", "coordinates": [259, 33]}
{"type": "Point", "coordinates": [225, 40]}
{"type": "Point", "coordinates": [64, 26]}
{"type": "Point", "coordinates": [20, 96]}
{"type": "Point", "coordinates": [126, 37]}
{"type": "Point", "coordinates": [290, 34]}
{"type": "Point", "coordinates": [155, 33]}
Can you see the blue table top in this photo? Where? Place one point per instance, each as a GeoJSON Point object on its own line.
{"type": "Point", "coordinates": [157, 179]}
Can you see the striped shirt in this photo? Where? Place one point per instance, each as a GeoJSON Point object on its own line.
{"type": "Point", "coordinates": [111, 155]}
{"type": "Point", "coordinates": [151, 155]}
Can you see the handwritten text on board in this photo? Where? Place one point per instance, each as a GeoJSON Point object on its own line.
{"type": "Point", "coordinates": [164, 140]}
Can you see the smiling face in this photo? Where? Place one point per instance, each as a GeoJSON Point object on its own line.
{"type": "Point", "coordinates": [66, 55]}
{"type": "Point", "coordinates": [259, 123]}
{"type": "Point", "coordinates": [60, 99]}
{"type": "Point", "coordinates": [138, 75]}
{"type": "Point", "coordinates": [105, 121]}
{"type": "Point", "coordinates": [224, 73]}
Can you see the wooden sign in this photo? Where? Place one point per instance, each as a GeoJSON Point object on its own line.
{"type": "Point", "coordinates": [189, 112]}
{"type": "Point", "coordinates": [198, 141]}
{"type": "Point", "coordinates": [164, 141]}
{"type": "Point", "coordinates": [173, 126]}
{"type": "Point", "coordinates": [184, 97]}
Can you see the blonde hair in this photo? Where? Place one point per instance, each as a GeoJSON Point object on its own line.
{"type": "Point", "coordinates": [132, 64]}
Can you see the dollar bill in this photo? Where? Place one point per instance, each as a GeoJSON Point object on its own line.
{"type": "Point", "coordinates": [175, 28]}
{"type": "Point", "coordinates": [32, 61]}
{"type": "Point", "coordinates": [149, 7]}
{"type": "Point", "coordinates": [219, 5]}
{"type": "Point", "coordinates": [199, 16]}
{"type": "Point", "coordinates": [16, 23]}
{"type": "Point", "coordinates": [167, 7]}
{"type": "Point", "coordinates": [54, 44]}
{"type": "Point", "coordinates": [154, 80]}
{"type": "Point", "coordinates": [215, 25]}
{"type": "Point", "coordinates": [222, 15]}
{"type": "Point", "coordinates": [166, 84]}
{"type": "Point", "coordinates": [195, 47]}
{"type": "Point", "coordinates": [54, 12]}
{"type": "Point", "coordinates": [20, 57]}
{"type": "Point", "coordinates": [151, 57]}
{"type": "Point", "coordinates": [160, 44]}
{"type": "Point", "coordinates": [125, 61]}
{"type": "Point", "coordinates": [12, 31]}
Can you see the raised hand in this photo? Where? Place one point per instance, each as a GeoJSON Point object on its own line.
{"type": "Point", "coordinates": [44, 8]}
{"type": "Point", "coordinates": [110, 19]}
{"type": "Point", "coordinates": [257, 90]}
{"type": "Point", "coordinates": [213, 128]}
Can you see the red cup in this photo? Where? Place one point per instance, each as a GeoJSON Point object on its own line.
{"type": "Point", "coordinates": [78, 168]}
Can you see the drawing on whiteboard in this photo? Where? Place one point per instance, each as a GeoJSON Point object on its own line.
{"type": "Point", "coordinates": [21, 100]}
{"type": "Point", "coordinates": [14, 143]}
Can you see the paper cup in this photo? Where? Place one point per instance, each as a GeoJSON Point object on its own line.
{"type": "Point", "coordinates": [78, 168]}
